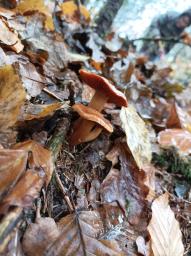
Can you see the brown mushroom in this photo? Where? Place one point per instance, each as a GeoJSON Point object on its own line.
{"type": "Point", "coordinates": [89, 126]}
{"type": "Point", "coordinates": [104, 91]}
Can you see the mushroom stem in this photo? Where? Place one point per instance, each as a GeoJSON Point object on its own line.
{"type": "Point", "coordinates": [98, 101]}
{"type": "Point", "coordinates": [81, 131]}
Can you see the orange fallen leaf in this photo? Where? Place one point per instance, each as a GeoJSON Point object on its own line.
{"type": "Point", "coordinates": [70, 12]}
{"type": "Point", "coordinates": [12, 97]}
{"type": "Point", "coordinates": [25, 191]}
{"type": "Point", "coordinates": [9, 37]}
{"type": "Point", "coordinates": [181, 139]}
{"type": "Point", "coordinates": [164, 229]}
{"type": "Point", "coordinates": [12, 166]}
{"type": "Point", "coordinates": [40, 157]}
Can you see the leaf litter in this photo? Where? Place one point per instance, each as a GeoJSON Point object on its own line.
{"type": "Point", "coordinates": [107, 196]}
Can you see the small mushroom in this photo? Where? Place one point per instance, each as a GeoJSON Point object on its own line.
{"type": "Point", "coordinates": [89, 126]}
{"type": "Point", "coordinates": [104, 91]}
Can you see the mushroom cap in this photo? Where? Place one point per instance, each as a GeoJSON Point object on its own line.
{"type": "Point", "coordinates": [103, 85]}
{"type": "Point", "coordinates": [93, 115]}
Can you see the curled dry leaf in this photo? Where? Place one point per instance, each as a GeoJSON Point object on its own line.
{"type": "Point", "coordinates": [9, 37]}
{"type": "Point", "coordinates": [12, 96]}
{"type": "Point", "coordinates": [79, 236]}
{"type": "Point", "coordinates": [25, 191]}
{"type": "Point", "coordinates": [178, 138]}
{"type": "Point", "coordinates": [166, 237]}
{"type": "Point", "coordinates": [40, 157]}
{"type": "Point", "coordinates": [137, 136]}
{"type": "Point", "coordinates": [39, 235]}
{"type": "Point", "coordinates": [12, 166]}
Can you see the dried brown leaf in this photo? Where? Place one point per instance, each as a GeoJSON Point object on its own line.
{"type": "Point", "coordinates": [9, 37]}
{"type": "Point", "coordinates": [39, 235]}
{"type": "Point", "coordinates": [166, 237]}
{"type": "Point", "coordinates": [12, 97]}
{"type": "Point", "coordinates": [127, 187]}
{"type": "Point", "coordinates": [137, 136]}
{"type": "Point", "coordinates": [181, 139]}
{"type": "Point", "coordinates": [12, 166]}
{"type": "Point", "coordinates": [70, 12]}
{"type": "Point", "coordinates": [178, 118]}
{"type": "Point", "coordinates": [79, 236]}
{"type": "Point", "coordinates": [25, 191]}
{"type": "Point", "coordinates": [40, 157]}
{"type": "Point", "coordinates": [32, 80]}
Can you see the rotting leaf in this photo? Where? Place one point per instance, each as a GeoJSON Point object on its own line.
{"type": "Point", "coordinates": [40, 157]}
{"type": "Point", "coordinates": [137, 136]}
{"type": "Point", "coordinates": [12, 97]}
{"type": "Point", "coordinates": [12, 166]}
{"type": "Point", "coordinates": [166, 237]}
{"type": "Point", "coordinates": [9, 37]}
{"type": "Point", "coordinates": [25, 191]}
{"type": "Point", "coordinates": [181, 139]}
{"type": "Point", "coordinates": [79, 236]}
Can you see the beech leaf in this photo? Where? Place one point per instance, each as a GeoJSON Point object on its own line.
{"type": "Point", "coordinates": [39, 235]}
{"type": "Point", "coordinates": [40, 158]}
{"type": "Point", "coordinates": [9, 37]}
{"type": "Point", "coordinates": [166, 237]}
{"type": "Point", "coordinates": [79, 236]}
{"type": "Point", "coordinates": [12, 166]}
{"type": "Point", "coordinates": [25, 191]}
{"type": "Point", "coordinates": [137, 136]}
{"type": "Point", "coordinates": [181, 139]}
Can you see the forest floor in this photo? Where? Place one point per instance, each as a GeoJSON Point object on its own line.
{"type": "Point", "coordinates": [124, 191]}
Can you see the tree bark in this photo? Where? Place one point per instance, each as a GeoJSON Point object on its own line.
{"type": "Point", "coordinates": [107, 15]}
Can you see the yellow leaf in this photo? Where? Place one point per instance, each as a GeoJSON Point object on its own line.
{"type": "Point", "coordinates": [70, 11]}
{"type": "Point", "coordinates": [137, 136]}
{"type": "Point", "coordinates": [166, 237]}
{"type": "Point", "coordinates": [12, 97]}
{"type": "Point", "coordinates": [36, 5]}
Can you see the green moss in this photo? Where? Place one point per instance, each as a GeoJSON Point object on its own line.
{"type": "Point", "coordinates": [173, 162]}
